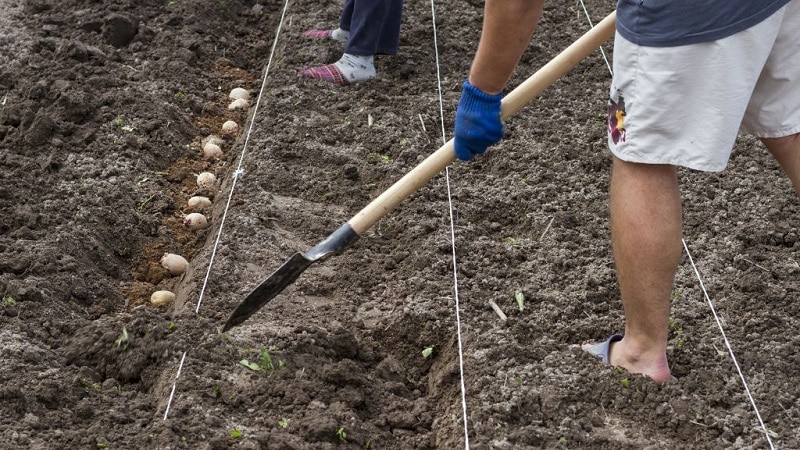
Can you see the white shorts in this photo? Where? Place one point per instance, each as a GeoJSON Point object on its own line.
{"type": "Point", "coordinates": [686, 105]}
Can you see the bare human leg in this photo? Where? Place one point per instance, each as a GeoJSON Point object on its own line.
{"type": "Point", "coordinates": [646, 221]}
{"type": "Point", "coordinates": [786, 151]}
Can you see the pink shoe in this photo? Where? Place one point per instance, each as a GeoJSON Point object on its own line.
{"type": "Point", "coordinates": [318, 34]}
{"type": "Point", "coordinates": [329, 73]}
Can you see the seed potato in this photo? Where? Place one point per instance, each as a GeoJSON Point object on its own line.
{"type": "Point", "coordinates": [159, 298]}
{"type": "Point", "coordinates": [239, 103]}
{"type": "Point", "coordinates": [175, 264]}
{"type": "Point", "coordinates": [198, 203]}
{"type": "Point", "coordinates": [239, 93]}
{"type": "Point", "coordinates": [230, 127]}
{"type": "Point", "coordinates": [195, 221]}
{"type": "Point", "coordinates": [212, 151]}
{"type": "Point", "coordinates": [206, 180]}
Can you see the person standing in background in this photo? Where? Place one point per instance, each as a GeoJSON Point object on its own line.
{"type": "Point", "coordinates": [367, 28]}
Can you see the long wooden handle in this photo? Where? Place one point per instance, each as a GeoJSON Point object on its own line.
{"type": "Point", "coordinates": [512, 103]}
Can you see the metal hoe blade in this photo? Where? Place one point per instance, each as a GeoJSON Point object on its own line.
{"type": "Point", "coordinates": [288, 272]}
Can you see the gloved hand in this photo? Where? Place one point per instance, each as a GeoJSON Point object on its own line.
{"type": "Point", "coordinates": [478, 124]}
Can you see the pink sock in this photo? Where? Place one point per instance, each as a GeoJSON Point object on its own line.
{"type": "Point", "coordinates": [318, 34]}
{"type": "Point", "coordinates": [337, 34]}
{"type": "Point", "coordinates": [329, 73]}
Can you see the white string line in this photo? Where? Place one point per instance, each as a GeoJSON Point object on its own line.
{"type": "Point", "coordinates": [728, 345]}
{"type": "Point", "coordinates": [172, 393]}
{"type": "Point", "coordinates": [236, 175]}
{"type": "Point", "coordinates": [452, 235]}
{"type": "Point", "coordinates": [591, 25]}
{"type": "Point", "coordinates": [708, 299]}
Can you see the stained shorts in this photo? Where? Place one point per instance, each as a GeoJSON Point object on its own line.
{"type": "Point", "coordinates": [686, 105]}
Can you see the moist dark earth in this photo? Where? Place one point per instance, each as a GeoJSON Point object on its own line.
{"type": "Point", "coordinates": [104, 108]}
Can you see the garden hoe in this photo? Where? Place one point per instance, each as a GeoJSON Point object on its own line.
{"type": "Point", "coordinates": [351, 230]}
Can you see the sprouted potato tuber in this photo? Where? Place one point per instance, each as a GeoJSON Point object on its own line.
{"type": "Point", "coordinates": [230, 127]}
{"type": "Point", "coordinates": [239, 103]}
{"type": "Point", "coordinates": [237, 93]}
{"type": "Point", "coordinates": [212, 151]}
{"type": "Point", "coordinates": [212, 138]}
{"type": "Point", "coordinates": [206, 180]}
{"type": "Point", "coordinates": [198, 202]}
{"type": "Point", "coordinates": [159, 298]}
{"type": "Point", "coordinates": [175, 264]}
{"type": "Point", "coordinates": [195, 221]}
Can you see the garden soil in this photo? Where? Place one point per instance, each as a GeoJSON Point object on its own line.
{"type": "Point", "coordinates": [104, 109]}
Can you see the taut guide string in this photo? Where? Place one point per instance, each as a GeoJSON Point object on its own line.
{"type": "Point", "coordinates": [238, 173]}
{"type": "Point", "coordinates": [705, 294]}
{"type": "Point", "coordinates": [452, 235]}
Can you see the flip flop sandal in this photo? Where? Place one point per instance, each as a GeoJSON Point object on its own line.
{"type": "Point", "coordinates": [601, 349]}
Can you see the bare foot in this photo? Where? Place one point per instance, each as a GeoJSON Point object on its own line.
{"type": "Point", "coordinates": [620, 352]}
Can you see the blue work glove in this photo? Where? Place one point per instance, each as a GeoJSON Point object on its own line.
{"type": "Point", "coordinates": [478, 124]}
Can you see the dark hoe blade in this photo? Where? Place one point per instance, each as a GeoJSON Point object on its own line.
{"type": "Point", "coordinates": [288, 272]}
{"type": "Point", "coordinates": [269, 288]}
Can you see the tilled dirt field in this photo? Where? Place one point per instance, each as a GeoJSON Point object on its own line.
{"type": "Point", "coordinates": [104, 109]}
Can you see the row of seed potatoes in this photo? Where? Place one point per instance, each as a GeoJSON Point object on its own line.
{"type": "Point", "coordinates": [176, 264]}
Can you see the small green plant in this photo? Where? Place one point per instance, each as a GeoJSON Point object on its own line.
{"type": "Point", "coordinates": [179, 96]}
{"type": "Point", "coordinates": [283, 422]}
{"type": "Point", "coordinates": [427, 351]}
{"type": "Point", "coordinates": [216, 392]}
{"type": "Point", "coordinates": [236, 433]}
{"type": "Point", "coordinates": [520, 298]}
{"type": "Point", "coordinates": [122, 340]}
{"type": "Point", "coordinates": [341, 434]}
{"type": "Point", "coordinates": [264, 363]}
{"type": "Point", "coordinates": [677, 330]}
{"type": "Point", "coordinates": [625, 382]}
{"type": "Point", "coordinates": [145, 202]}
{"type": "Point", "coordinates": [266, 359]}
{"type": "Point", "coordinates": [8, 300]}
{"type": "Point", "coordinates": [86, 384]}
{"type": "Point", "coordinates": [385, 159]}
{"type": "Point", "coordinates": [171, 326]}
{"type": "Point", "coordinates": [124, 126]}
{"type": "Point", "coordinates": [102, 445]}
{"type": "Point", "coordinates": [698, 416]}
{"type": "Point", "coordinates": [562, 441]}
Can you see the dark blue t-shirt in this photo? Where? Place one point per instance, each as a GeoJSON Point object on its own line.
{"type": "Point", "coordinates": [668, 23]}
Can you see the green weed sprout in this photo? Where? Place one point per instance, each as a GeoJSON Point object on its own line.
{"type": "Point", "coordinates": [341, 435]}
{"type": "Point", "coordinates": [122, 340]}
{"type": "Point", "coordinates": [520, 297]}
